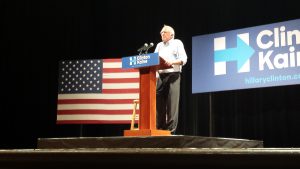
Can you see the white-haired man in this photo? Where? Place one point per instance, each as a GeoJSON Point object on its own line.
{"type": "Point", "coordinates": [168, 83]}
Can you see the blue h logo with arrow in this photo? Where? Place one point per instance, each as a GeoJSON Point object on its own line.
{"type": "Point", "coordinates": [241, 54]}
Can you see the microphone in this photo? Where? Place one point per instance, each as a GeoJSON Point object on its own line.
{"type": "Point", "coordinates": [148, 47]}
{"type": "Point", "coordinates": [143, 47]}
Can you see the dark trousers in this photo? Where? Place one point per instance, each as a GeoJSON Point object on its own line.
{"type": "Point", "coordinates": [167, 101]}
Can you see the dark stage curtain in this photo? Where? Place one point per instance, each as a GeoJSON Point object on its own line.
{"type": "Point", "coordinates": [35, 35]}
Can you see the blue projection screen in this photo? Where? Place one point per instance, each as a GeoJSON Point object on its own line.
{"type": "Point", "coordinates": [261, 56]}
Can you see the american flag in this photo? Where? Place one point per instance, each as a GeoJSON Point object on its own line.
{"type": "Point", "coordinates": [96, 92]}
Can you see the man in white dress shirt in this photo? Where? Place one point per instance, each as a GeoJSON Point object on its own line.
{"type": "Point", "coordinates": [168, 83]}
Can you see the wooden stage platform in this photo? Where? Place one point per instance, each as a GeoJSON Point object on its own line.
{"type": "Point", "coordinates": [176, 152]}
{"type": "Point", "coordinates": [174, 141]}
{"type": "Point", "coordinates": [154, 158]}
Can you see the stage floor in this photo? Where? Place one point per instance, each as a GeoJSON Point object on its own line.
{"type": "Point", "coordinates": [175, 141]}
{"type": "Point", "coordinates": [154, 152]}
{"type": "Point", "coordinates": [154, 158]}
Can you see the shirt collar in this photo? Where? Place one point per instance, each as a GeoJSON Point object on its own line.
{"type": "Point", "coordinates": [168, 42]}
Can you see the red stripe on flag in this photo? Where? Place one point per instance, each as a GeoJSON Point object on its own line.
{"type": "Point", "coordinates": [120, 90]}
{"type": "Point", "coordinates": [92, 101]}
{"type": "Point", "coordinates": [93, 122]}
{"type": "Point", "coordinates": [103, 112]}
{"type": "Point", "coordinates": [118, 70]}
{"type": "Point", "coordinates": [112, 60]}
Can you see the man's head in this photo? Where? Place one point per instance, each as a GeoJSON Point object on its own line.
{"type": "Point", "coordinates": [167, 33]}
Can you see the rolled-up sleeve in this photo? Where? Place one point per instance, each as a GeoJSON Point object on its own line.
{"type": "Point", "coordinates": [181, 52]}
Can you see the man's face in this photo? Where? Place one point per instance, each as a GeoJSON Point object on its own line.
{"type": "Point", "coordinates": [165, 35]}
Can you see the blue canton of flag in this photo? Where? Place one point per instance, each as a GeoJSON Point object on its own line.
{"type": "Point", "coordinates": [80, 76]}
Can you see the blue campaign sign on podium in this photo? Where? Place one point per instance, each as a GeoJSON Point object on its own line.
{"type": "Point", "coordinates": [144, 60]}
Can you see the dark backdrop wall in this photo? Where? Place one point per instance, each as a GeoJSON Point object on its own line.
{"type": "Point", "coordinates": [35, 35]}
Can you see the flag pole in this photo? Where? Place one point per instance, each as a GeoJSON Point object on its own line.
{"type": "Point", "coordinates": [211, 116]}
{"type": "Point", "coordinates": [80, 130]}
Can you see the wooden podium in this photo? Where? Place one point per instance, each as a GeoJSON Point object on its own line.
{"type": "Point", "coordinates": [147, 115]}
